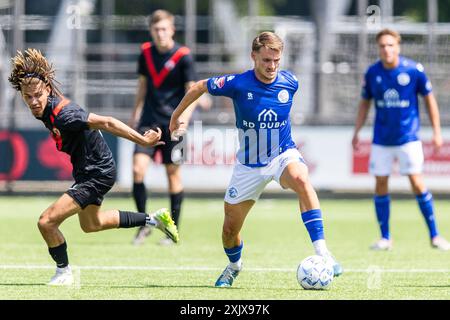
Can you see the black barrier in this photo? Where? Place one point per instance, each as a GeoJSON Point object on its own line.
{"type": "Point", "coordinates": [32, 155]}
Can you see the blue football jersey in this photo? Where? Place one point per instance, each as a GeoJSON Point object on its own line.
{"type": "Point", "coordinates": [262, 113]}
{"type": "Point", "coordinates": [396, 104]}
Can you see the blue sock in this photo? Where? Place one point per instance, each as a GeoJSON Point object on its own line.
{"type": "Point", "coordinates": [314, 224]}
{"type": "Point", "coordinates": [382, 209]}
{"type": "Point", "coordinates": [234, 254]}
{"type": "Point", "coordinates": [425, 202]}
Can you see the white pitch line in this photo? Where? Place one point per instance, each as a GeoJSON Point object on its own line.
{"type": "Point", "coordinates": [196, 268]}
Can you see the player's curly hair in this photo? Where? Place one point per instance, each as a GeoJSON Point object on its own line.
{"type": "Point", "coordinates": [32, 65]}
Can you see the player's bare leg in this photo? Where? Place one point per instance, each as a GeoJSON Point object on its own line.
{"type": "Point", "coordinates": [141, 162]}
{"type": "Point", "coordinates": [91, 220]}
{"type": "Point", "coordinates": [94, 220]}
{"type": "Point", "coordinates": [53, 216]}
{"type": "Point", "coordinates": [48, 225]}
{"type": "Point", "coordinates": [235, 215]}
{"type": "Point", "coordinates": [425, 201]}
{"type": "Point", "coordinates": [295, 176]}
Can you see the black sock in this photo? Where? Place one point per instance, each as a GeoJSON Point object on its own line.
{"type": "Point", "coordinates": [175, 205]}
{"type": "Point", "coordinates": [59, 255]}
{"type": "Point", "coordinates": [131, 219]}
{"type": "Point", "coordinates": [140, 196]}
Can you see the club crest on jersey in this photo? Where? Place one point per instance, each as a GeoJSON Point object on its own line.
{"type": "Point", "coordinates": [403, 79]}
{"type": "Point", "coordinates": [169, 65]}
{"type": "Point", "coordinates": [56, 132]}
{"type": "Point", "coordinates": [283, 96]}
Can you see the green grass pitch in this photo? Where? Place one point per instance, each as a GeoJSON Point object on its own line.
{"type": "Point", "coordinates": [107, 266]}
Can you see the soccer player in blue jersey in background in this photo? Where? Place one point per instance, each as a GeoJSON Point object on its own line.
{"type": "Point", "coordinates": [262, 100]}
{"type": "Point", "coordinates": [394, 82]}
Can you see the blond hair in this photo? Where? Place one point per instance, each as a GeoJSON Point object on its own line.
{"type": "Point", "coordinates": [29, 66]}
{"type": "Point", "coordinates": [159, 15]}
{"type": "Point", "coordinates": [269, 40]}
{"type": "Point", "coordinates": [389, 32]}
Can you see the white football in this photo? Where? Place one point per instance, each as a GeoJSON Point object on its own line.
{"type": "Point", "coordinates": [315, 272]}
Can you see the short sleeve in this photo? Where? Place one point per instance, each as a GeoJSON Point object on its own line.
{"type": "Point", "coordinates": [188, 69]}
{"type": "Point", "coordinates": [423, 84]}
{"type": "Point", "coordinates": [72, 118]}
{"type": "Point", "coordinates": [366, 92]}
{"type": "Point", "coordinates": [142, 67]}
{"type": "Point", "coordinates": [222, 86]}
{"type": "Point", "coordinates": [293, 80]}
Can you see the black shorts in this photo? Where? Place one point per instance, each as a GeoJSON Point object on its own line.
{"type": "Point", "coordinates": [169, 153]}
{"type": "Point", "coordinates": [90, 190]}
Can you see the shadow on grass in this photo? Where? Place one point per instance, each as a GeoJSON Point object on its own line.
{"type": "Point", "coordinates": [195, 286]}
{"type": "Point", "coordinates": [144, 286]}
{"type": "Point", "coordinates": [426, 286]}
{"type": "Point", "coordinates": [23, 284]}
{"type": "Point", "coordinates": [174, 286]}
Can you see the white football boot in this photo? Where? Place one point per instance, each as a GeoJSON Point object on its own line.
{"type": "Point", "coordinates": [227, 277]}
{"type": "Point", "coordinates": [337, 268]}
{"type": "Point", "coordinates": [382, 244]}
{"type": "Point", "coordinates": [440, 243]}
{"type": "Point", "coordinates": [62, 277]}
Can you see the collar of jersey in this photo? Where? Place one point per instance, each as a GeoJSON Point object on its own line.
{"type": "Point", "coordinates": [52, 101]}
{"type": "Point", "coordinates": [400, 60]}
{"type": "Point", "coordinates": [262, 83]}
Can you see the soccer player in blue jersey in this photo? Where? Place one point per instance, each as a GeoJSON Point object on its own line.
{"type": "Point", "coordinates": [393, 83]}
{"type": "Point", "coordinates": [262, 100]}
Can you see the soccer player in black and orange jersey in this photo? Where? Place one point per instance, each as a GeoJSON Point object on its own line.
{"type": "Point", "coordinates": [76, 132]}
{"type": "Point", "coordinates": [166, 72]}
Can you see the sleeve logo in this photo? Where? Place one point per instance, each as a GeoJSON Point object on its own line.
{"type": "Point", "coordinates": [219, 82]}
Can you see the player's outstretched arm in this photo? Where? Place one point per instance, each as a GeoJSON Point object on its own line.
{"type": "Point", "coordinates": [433, 113]}
{"type": "Point", "coordinates": [363, 111]}
{"type": "Point", "coordinates": [118, 128]}
{"type": "Point", "coordinates": [194, 92]}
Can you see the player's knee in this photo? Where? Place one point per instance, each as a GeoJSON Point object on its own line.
{"type": "Point", "coordinates": [46, 222]}
{"type": "Point", "coordinates": [90, 227]}
{"type": "Point", "coordinates": [175, 186]}
{"type": "Point", "coordinates": [381, 186]}
{"type": "Point", "coordinates": [42, 223]}
{"type": "Point", "coordinates": [301, 182]}
{"type": "Point", "coordinates": [138, 173]}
